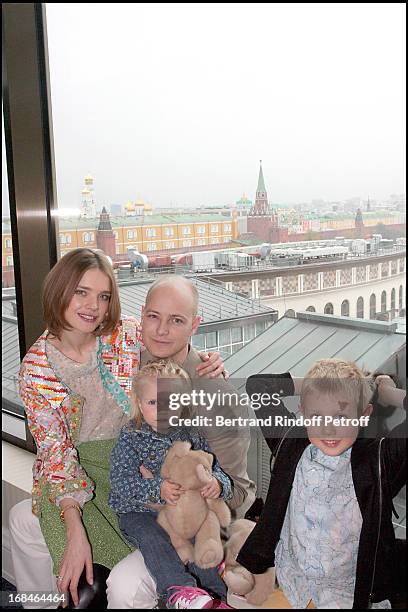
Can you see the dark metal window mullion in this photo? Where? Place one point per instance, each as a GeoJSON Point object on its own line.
{"type": "Point", "coordinates": [30, 161]}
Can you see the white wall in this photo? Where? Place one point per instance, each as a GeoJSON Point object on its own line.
{"type": "Point", "coordinates": [319, 299]}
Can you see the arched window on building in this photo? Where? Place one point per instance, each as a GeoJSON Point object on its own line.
{"type": "Point", "coordinates": [328, 309]}
{"type": "Point", "coordinates": [345, 308]}
{"type": "Point", "coordinates": [372, 306]}
{"type": "Point", "coordinates": [290, 313]}
{"type": "Point", "coordinates": [400, 298]}
{"type": "Point", "coordinates": [311, 309]}
{"type": "Point", "coordinates": [392, 302]}
{"type": "Point", "coordinates": [360, 308]}
{"type": "Point", "coordinates": [383, 301]}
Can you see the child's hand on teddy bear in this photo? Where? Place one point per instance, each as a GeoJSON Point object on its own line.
{"type": "Point", "coordinates": [171, 491]}
{"type": "Point", "coordinates": [212, 490]}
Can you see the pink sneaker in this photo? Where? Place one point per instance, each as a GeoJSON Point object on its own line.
{"type": "Point", "coordinates": [221, 605]}
{"type": "Point", "coordinates": [189, 598]}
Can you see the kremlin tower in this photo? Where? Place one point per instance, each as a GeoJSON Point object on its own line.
{"type": "Point", "coordinates": [261, 220]}
{"type": "Point", "coordinates": [105, 238]}
{"type": "Point", "coordinates": [359, 223]}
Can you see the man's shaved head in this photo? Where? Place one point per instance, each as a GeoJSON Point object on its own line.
{"type": "Point", "coordinates": [177, 282]}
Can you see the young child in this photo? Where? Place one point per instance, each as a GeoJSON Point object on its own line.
{"type": "Point", "coordinates": [138, 490]}
{"type": "Point", "coordinates": [327, 522]}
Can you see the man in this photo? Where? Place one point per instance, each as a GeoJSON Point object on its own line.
{"type": "Point", "coordinates": [169, 319]}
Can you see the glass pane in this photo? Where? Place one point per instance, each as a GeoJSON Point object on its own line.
{"type": "Point", "coordinates": [236, 334]}
{"type": "Point", "coordinates": [259, 327]}
{"type": "Point", "coordinates": [224, 337]}
{"type": "Point", "coordinates": [249, 332]}
{"type": "Point", "coordinates": [198, 341]}
{"type": "Point", "coordinates": [211, 340]}
{"type": "Point", "coordinates": [10, 344]}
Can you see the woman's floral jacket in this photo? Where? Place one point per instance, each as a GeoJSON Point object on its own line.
{"type": "Point", "coordinates": [54, 412]}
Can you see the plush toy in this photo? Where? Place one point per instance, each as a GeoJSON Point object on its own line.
{"type": "Point", "coordinates": [255, 587]}
{"type": "Point", "coordinates": [193, 516]}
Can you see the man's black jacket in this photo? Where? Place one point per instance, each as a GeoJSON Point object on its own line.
{"type": "Point", "coordinates": [258, 553]}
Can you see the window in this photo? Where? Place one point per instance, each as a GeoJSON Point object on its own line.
{"type": "Point", "coordinates": [116, 234]}
{"type": "Point", "coordinates": [328, 309]}
{"type": "Point", "coordinates": [65, 238]}
{"type": "Point", "coordinates": [89, 237]}
{"type": "Point", "coordinates": [311, 309]}
{"type": "Point", "coordinates": [259, 327]}
{"type": "Point", "coordinates": [227, 227]}
{"type": "Point", "coordinates": [201, 229]}
{"type": "Point", "coordinates": [8, 243]}
{"type": "Point", "coordinates": [249, 333]}
{"type": "Point", "coordinates": [187, 243]}
{"type": "Point", "coordinates": [401, 298]}
{"type": "Point", "coordinates": [383, 301]}
{"type": "Point", "coordinates": [198, 341]}
{"type": "Point", "coordinates": [360, 308]}
{"type": "Point", "coordinates": [168, 231]}
{"type": "Point", "coordinates": [131, 234]}
{"type": "Point", "coordinates": [224, 337]}
{"type": "Point", "coordinates": [152, 246]}
{"type": "Point", "coordinates": [373, 306]}
{"type": "Point", "coordinates": [9, 260]}
{"type": "Point", "coordinates": [345, 308]}
{"type": "Point", "coordinates": [151, 232]}
{"type": "Point", "coordinates": [211, 340]}
{"type": "Point", "coordinates": [393, 301]}
{"type": "Point", "coordinates": [237, 347]}
{"type": "Point", "coordinates": [236, 334]}
{"type": "Point", "coordinates": [169, 245]}
{"type": "Point", "coordinates": [290, 313]}
{"type": "Point", "coordinates": [186, 231]}
{"type": "Point", "coordinates": [201, 242]}
{"type": "Point", "coordinates": [214, 229]}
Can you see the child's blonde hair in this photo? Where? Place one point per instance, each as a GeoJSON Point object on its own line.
{"type": "Point", "coordinates": [333, 376]}
{"type": "Point", "coordinates": [162, 368]}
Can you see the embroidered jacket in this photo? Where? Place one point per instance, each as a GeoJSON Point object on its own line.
{"type": "Point", "coordinates": [132, 493]}
{"type": "Point", "coordinates": [54, 412]}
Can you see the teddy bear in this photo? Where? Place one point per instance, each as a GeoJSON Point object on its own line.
{"type": "Point", "coordinates": [193, 516]}
{"type": "Point", "coordinates": [255, 587]}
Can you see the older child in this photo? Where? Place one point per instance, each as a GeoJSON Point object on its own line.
{"type": "Point", "coordinates": [137, 490]}
{"type": "Point", "coordinates": [326, 526]}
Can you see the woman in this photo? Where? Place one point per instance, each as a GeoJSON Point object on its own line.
{"type": "Point", "coordinates": [74, 382]}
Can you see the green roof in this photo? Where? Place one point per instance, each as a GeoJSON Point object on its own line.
{"type": "Point", "coordinates": [147, 220]}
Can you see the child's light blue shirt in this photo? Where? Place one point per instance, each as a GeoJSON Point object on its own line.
{"type": "Point", "coordinates": [316, 556]}
{"type": "Point", "coordinates": [134, 447]}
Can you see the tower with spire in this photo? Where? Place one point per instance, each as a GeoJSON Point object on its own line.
{"type": "Point", "coordinates": [105, 238]}
{"type": "Point", "coordinates": [261, 206]}
{"type": "Point", "coordinates": [261, 220]}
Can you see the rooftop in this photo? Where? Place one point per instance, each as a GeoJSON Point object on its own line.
{"type": "Point", "coordinates": [294, 344]}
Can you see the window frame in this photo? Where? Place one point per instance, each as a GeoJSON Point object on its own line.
{"type": "Point", "coordinates": [30, 171]}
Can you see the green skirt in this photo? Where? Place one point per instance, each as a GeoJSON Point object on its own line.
{"type": "Point", "coordinates": [107, 543]}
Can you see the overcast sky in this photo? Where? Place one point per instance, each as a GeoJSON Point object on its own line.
{"type": "Point", "coordinates": [177, 103]}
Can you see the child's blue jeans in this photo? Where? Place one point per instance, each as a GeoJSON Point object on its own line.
{"type": "Point", "coordinates": [162, 561]}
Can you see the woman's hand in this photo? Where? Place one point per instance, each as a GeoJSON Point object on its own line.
{"type": "Point", "coordinates": [212, 366]}
{"type": "Point", "coordinates": [77, 556]}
